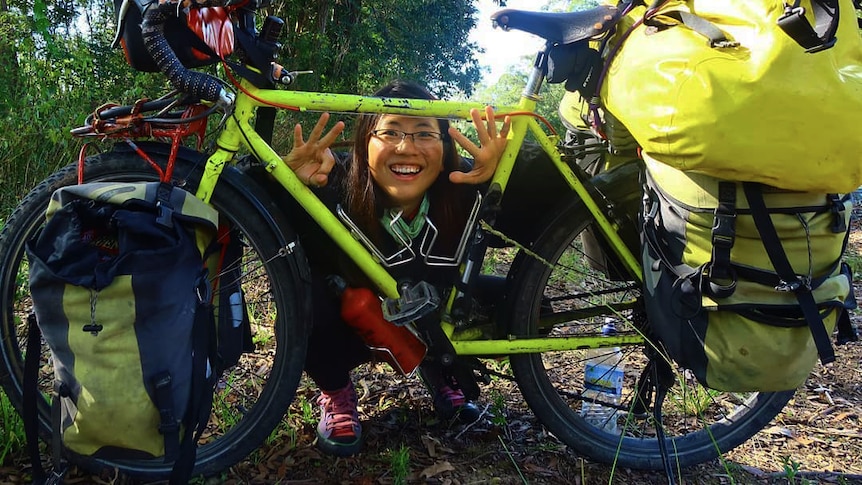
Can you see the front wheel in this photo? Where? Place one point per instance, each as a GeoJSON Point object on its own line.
{"type": "Point", "coordinates": [252, 396]}
{"type": "Point", "coordinates": [560, 293]}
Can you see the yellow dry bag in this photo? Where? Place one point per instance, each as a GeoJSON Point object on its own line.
{"type": "Point", "coordinates": [756, 106]}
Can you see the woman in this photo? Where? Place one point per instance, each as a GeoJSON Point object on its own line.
{"type": "Point", "coordinates": [402, 172]}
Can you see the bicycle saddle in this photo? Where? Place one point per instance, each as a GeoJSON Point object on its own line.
{"type": "Point", "coordinates": [559, 27]}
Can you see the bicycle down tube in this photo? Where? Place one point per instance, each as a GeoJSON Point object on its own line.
{"type": "Point", "coordinates": [238, 132]}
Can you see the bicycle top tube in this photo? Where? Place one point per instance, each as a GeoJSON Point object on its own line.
{"type": "Point", "coordinates": [356, 104]}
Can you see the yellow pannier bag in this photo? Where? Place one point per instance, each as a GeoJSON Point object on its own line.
{"type": "Point", "coordinates": [756, 108]}
{"type": "Point", "coordinates": [744, 305]}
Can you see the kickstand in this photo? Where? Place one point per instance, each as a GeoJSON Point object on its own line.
{"type": "Point", "coordinates": [662, 377]}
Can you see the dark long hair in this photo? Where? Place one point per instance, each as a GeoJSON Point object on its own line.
{"type": "Point", "coordinates": [449, 203]}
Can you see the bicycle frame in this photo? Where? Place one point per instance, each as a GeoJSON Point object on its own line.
{"type": "Point", "coordinates": [238, 132]}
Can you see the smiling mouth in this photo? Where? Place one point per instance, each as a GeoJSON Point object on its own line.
{"type": "Point", "coordinates": [405, 169]}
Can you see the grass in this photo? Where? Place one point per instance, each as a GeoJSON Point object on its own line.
{"type": "Point", "coordinates": [854, 259]}
{"type": "Point", "coordinates": [791, 468]}
{"type": "Point", "coordinates": [399, 463]}
{"type": "Point", "coordinates": [263, 335]}
{"type": "Point", "coordinates": [307, 410]}
{"type": "Point", "coordinates": [691, 400]}
{"type": "Point", "coordinates": [498, 409]}
{"type": "Point", "coordinates": [12, 439]}
{"type": "Point", "coordinates": [228, 415]}
{"type": "Point", "coordinates": [283, 434]}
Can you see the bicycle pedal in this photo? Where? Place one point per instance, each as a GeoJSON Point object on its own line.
{"type": "Point", "coordinates": [414, 303]}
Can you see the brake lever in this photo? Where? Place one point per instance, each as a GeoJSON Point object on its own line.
{"type": "Point", "coordinates": [279, 74]}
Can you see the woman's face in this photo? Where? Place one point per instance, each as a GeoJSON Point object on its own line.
{"type": "Point", "coordinates": [405, 168]}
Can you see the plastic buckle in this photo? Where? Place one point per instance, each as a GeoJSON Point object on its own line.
{"type": "Point", "coordinates": [165, 215]}
{"type": "Point", "coordinates": [710, 285]}
{"type": "Point", "coordinates": [724, 229]}
{"type": "Point", "coordinates": [168, 427]}
{"type": "Point", "coordinates": [838, 224]}
{"type": "Point", "coordinates": [794, 24]}
{"type": "Point", "coordinates": [822, 47]}
{"type": "Point", "coordinates": [800, 285]}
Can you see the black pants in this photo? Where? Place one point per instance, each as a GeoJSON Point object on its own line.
{"type": "Point", "coordinates": [334, 348]}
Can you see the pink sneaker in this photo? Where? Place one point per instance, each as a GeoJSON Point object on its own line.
{"type": "Point", "coordinates": [339, 432]}
{"type": "Point", "coordinates": [450, 403]}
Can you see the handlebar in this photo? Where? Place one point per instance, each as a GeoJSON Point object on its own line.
{"type": "Point", "coordinates": [195, 83]}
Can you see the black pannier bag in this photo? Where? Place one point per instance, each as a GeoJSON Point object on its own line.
{"type": "Point", "coordinates": [122, 298]}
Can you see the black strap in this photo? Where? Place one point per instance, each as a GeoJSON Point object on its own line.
{"type": "Point", "coordinates": [30, 413]}
{"type": "Point", "coordinates": [792, 282]}
{"type": "Point", "coordinates": [723, 238]}
{"type": "Point", "coordinates": [61, 390]}
{"type": "Point", "coordinates": [682, 271]}
{"type": "Point", "coordinates": [169, 425]}
{"type": "Point", "coordinates": [715, 36]}
{"type": "Point", "coordinates": [815, 38]}
{"type": "Point", "coordinates": [256, 57]}
{"type": "Point", "coordinates": [846, 332]}
{"type": "Point", "coordinates": [200, 405]}
{"type": "Point", "coordinates": [837, 206]}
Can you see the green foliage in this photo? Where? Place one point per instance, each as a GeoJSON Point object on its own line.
{"type": "Point", "coordinates": [349, 45]}
{"type": "Point", "coordinates": [399, 461]}
{"type": "Point", "coordinates": [498, 409]}
{"type": "Point", "coordinates": [12, 438]}
{"type": "Point", "coordinates": [53, 76]}
{"type": "Point", "coordinates": [791, 468]}
{"type": "Point", "coordinates": [57, 66]}
{"type": "Point", "coordinates": [507, 91]}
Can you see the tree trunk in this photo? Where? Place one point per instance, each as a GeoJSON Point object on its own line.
{"type": "Point", "coordinates": [9, 69]}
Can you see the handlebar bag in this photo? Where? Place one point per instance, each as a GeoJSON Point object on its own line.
{"type": "Point", "coordinates": [120, 293]}
{"type": "Point", "coordinates": [714, 297]}
{"type": "Point", "coordinates": [718, 87]}
{"type": "Point", "coordinates": [198, 36]}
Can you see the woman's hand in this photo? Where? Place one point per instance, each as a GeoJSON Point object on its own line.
{"type": "Point", "coordinates": [487, 155]}
{"type": "Point", "coordinates": [312, 160]}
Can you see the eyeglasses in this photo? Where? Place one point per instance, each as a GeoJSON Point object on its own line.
{"type": "Point", "coordinates": [420, 138]}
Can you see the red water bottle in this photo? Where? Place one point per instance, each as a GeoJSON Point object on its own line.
{"type": "Point", "coordinates": [397, 345]}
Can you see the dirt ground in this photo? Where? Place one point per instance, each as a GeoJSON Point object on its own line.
{"type": "Point", "coordinates": [816, 439]}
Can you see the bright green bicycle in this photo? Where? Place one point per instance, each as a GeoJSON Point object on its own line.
{"type": "Point", "coordinates": [559, 295]}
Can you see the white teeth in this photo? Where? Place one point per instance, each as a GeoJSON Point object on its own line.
{"type": "Point", "coordinates": [405, 169]}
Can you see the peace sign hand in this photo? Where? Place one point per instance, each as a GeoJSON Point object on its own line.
{"type": "Point", "coordinates": [487, 155]}
{"type": "Point", "coordinates": [311, 159]}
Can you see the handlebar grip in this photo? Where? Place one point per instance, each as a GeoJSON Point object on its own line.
{"type": "Point", "coordinates": [195, 83]}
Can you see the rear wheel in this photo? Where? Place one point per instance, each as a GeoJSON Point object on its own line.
{"type": "Point", "coordinates": [561, 295]}
{"type": "Point", "coordinates": [252, 396]}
